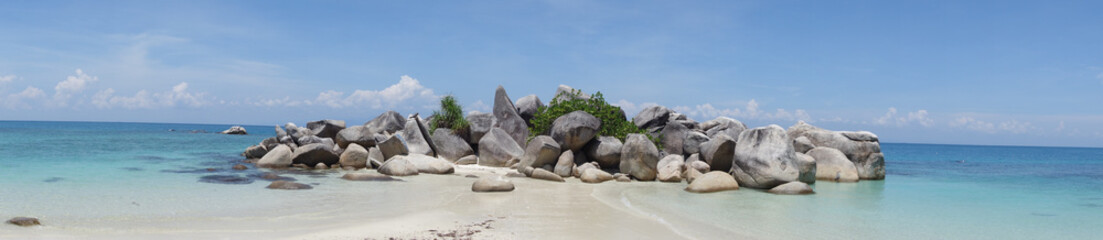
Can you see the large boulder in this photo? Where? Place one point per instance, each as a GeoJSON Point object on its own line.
{"type": "Point", "coordinates": [235, 130]}
{"type": "Point", "coordinates": [723, 125]}
{"type": "Point", "coordinates": [693, 141]}
{"type": "Point", "coordinates": [792, 188]}
{"type": "Point", "coordinates": [327, 128]}
{"type": "Point", "coordinates": [565, 165]}
{"type": "Point", "coordinates": [480, 124]}
{"type": "Point", "coordinates": [450, 146]}
{"type": "Point", "coordinates": [354, 156]}
{"type": "Point", "coordinates": [566, 93]}
{"type": "Point", "coordinates": [393, 146]}
{"type": "Point", "coordinates": [507, 118]}
{"type": "Point", "coordinates": [594, 175]}
{"type": "Point", "coordinates": [807, 166]}
{"type": "Point", "coordinates": [639, 157]}
{"type": "Point", "coordinates": [861, 148]}
{"type": "Point", "coordinates": [718, 153]}
{"type": "Point", "coordinates": [360, 135]}
{"type": "Point", "coordinates": [255, 151]}
{"type": "Point", "coordinates": [429, 164]}
{"type": "Point", "coordinates": [280, 133]}
{"type": "Point", "coordinates": [573, 130]}
{"type": "Point", "coordinates": [801, 144]}
{"type": "Point", "coordinates": [278, 157]}
{"type": "Point", "coordinates": [388, 122]}
{"type": "Point", "coordinates": [673, 136]}
{"type": "Point", "coordinates": [417, 137]}
{"type": "Point", "coordinates": [653, 118]}
{"type": "Point", "coordinates": [497, 148]}
{"type": "Point", "coordinates": [671, 168]}
{"type": "Point", "coordinates": [541, 151]}
{"type": "Point", "coordinates": [832, 165]}
{"type": "Point", "coordinates": [764, 158]}
{"type": "Point", "coordinates": [314, 153]}
{"type": "Point", "coordinates": [375, 157]}
{"type": "Point", "coordinates": [714, 181]}
{"type": "Point", "coordinates": [527, 107]}
{"type": "Point", "coordinates": [604, 150]}
{"type": "Point", "coordinates": [492, 184]}
{"type": "Point", "coordinates": [398, 166]}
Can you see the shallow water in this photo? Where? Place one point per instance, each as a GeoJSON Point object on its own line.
{"type": "Point", "coordinates": [116, 179]}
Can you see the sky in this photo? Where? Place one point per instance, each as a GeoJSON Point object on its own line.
{"type": "Point", "coordinates": [946, 72]}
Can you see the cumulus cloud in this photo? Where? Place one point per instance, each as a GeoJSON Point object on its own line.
{"type": "Point", "coordinates": [920, 117]}
{"type": "Point", "coordinates": [22, 99]}
{"type": "Point", "coordinates": [749, 111]}
{"type": "Point", "coordinates": [478, 107]}
{"type": "Point", "coordinates": [1011, 126]}
{"type": "Point", "coordinates": [632, 108]}
{"type": "Point", "coordinates": [408, 91]}
{"type": "Point", "coordinates": [71, 86]}
{"type": "Point", "coordinates": [6, 79]}
{"type": "Point", "coordinates": [178, 96]}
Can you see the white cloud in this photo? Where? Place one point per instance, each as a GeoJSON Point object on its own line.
{"type": "Point", "coordinates": [6, 79]}
{"type": "Point", "coordinates": [478, 107]}
{"type": "Point", "coordinates": [920, 117]}
{"type": "Point", "coordinates": [17, 100]}
{"type": "Point", "coordinates": [407, 92]}
{"type": "Point", "coordinates": [1061, 126]}
{"type": "Point", "coordinates": [178, 96]}
{"type": "Point", "coordinates": [1011, 126]}
{"type": "Point", "coordinates": [707, 111]}
{"type": "Point", "coordinates": [72, 85]}
{"type": "Point", "coordinates": [630, 108]}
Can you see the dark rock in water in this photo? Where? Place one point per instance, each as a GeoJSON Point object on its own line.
{"type": "Point", "coordinates": [285, 185]}
{"type": "Point", "coordinates": [792, 188]}
{"type": "Point", "coordinates": [240, 167]}
{"type": "Point", "coordinates": [315, 153]}
{"type": "Point", "coordinates": [132, 169]}
{"type": "Point", "coordinates": [270, 177]}
{"type": "Point", "coordinates": [388, 122]}
{"type": "Point", "coordinates": [492, 184]}
{"type": "Point", "coordinates": [211, 169]}
{"type": "Point", "coordinates": [470, 176]}
{"type": "Point", "coordinates": [24, 221]}
{"type": "Point", "coordinates": [527, 106]}
{"type": "Point", "coordinates": [53, 180]}
{"type": "Point", "coordinates": [368, 176]}
{"type": "Point", "coordinates": [225, 179]}
{"type": "Point", "coordinates": [508, 119]}
{"type": "Point", "coordinates": [573, 130]}
{"type": "Point", "coordinates": [480, 124]}
{"type": "Point", "coordinates": [327, 128]}
{"type": "Point", "coordinates": [235, 130]}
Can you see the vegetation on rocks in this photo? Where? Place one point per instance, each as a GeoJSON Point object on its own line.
{"type": "Point", "coordinates": [449, 116]}
{"type": "Point", "coordinates": [613, 121]}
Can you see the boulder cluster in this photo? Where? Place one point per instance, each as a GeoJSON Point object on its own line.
{"type": "Point", "coordinates": [715, 155]}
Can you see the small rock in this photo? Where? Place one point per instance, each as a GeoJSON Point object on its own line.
{"type": "Point", "coordinates": [468, 160]}
{"type": "Point", "coordinates": [368, 176]}
{"type": "Point", "coordinates": [240, 167]}
{"type": "Point", "coordinates": [622, 177]}
{"type": "Point", "coordinates": [24, 221]}
{"type": "Point", "coordinates": [320, 166]}
{"type": "Point", "coordinates": [492, 184]}
{"type": "Point", "coordinates": [577, 172]}
{"type": "Point", "coordinates": [792, 188]}
{"type": "Point", "coordinates": [595, 175]}
{"type": "Point", "coordinates": [286, 185]}
{"type": "Point", "coordinates": [540, 173]}
{"type": "Point", "coordinates": [714, 181]}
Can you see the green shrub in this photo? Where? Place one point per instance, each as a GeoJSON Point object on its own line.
{"type": "Point", "coordinates": [449, 116]}
{"type": "Point", "coordinates": [613, 123]}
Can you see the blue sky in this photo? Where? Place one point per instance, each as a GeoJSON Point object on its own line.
{"type": "Point", "coordinates": [959, 72]}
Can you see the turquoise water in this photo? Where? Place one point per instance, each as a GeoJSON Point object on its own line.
{"type": "Point", "coordinates": [70, 173]}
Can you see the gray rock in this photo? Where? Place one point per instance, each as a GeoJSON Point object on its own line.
{"type": "Point", "coordinates": [673, 136]}
{"type": "Point", "coordinates": [861, 148]}
{"type": "Point", "coordinates": [594, 175]}
{"type": "Point", "coordinates": [492, 184]}
{"type": "Point", "coordinates": [565, 165]}
{"type": "Point", "coordinates": [671, 168]}
{"type": "Point", "coordinates": [368, 176]}
{"type": "Point", "coordinates": [480, 124]}
{"type": "Point", "coordinates": [417, 137]}
{"type": "Point", "coordinates": [430, 165]}
{"type": "Point", "coordinates": [654, 117]}
{"type": "Point", "coordinates": [280, 133]}
{"type": "Point", "coordinates": [468, 160]}
{"type": "Point", "coordinates": [527, 107]}
{"type": "Point", "coordinates": [714, 181]}
{"type": "Point", "coordinates": [270, 143]}
{"type": "Point", "coordinates": [832, 165]}
{"type": "Point", "coordinates": [582, 168]}
{"type": "Point", "coordinates": [321, 166]}
{"type": "Point", "coordinates": [288, 185]}
{"type": "Point", "coordinates": [355, 156]}
{"type": "Point", "coordinates": [450, 146]}
{"type": "Point", "coordinates": [764, 158]}
{"type": "Point", "coordinates": [541, 151]}
{"type": "Point", "coordinates": [393, 146]}
{"type": "Point", "coordinates": [566, 93]}
{"type": "Point", "coordinates": [279, 157]}
{"type": "Point", "coordinates": [802, 144]}
{"type": "Point", "coordinates": [255, 151]}
{"type": "Point", "coordinates": [497, 148]}
{"type": "Point", "coordinates": [792, 188]}
{"type": "Point", "coordinates": [723, 125]}
{"type": "Point", "coordinates": [620, 177]}
{"type": "Point", "coordinates": [573, 130]}
{"type": "Point", "coordinates": [542, 174]}
{"type": "Point", "coordinates": [357, 134]}
{"type": "Point", "coordinates": [507, 118]}
{"type": "Point", "coordinates": [235, 130]}
{"type": "Point", "coordinates": [694, 162]}
{"type": "Point", "coordinates": [388, 122]}
{"type": "Point", "coordinates": [719, 152]}
{"type": "Point", "coordinates": [807, 166]}
{"type": "Point", "coordinates": [691, 174]}
{"type": "Point", "coordinates": [398, 166]}
{"type": "Point", "coordinates": [327, 128]}
{"type": "Point", "coordinates": [639, 157]}
{"type": "Point", "coordinates": [693, 141]}
{"type": "Point", "coordinates": [24, 221]}
{"type": "Point", "coordinates": [604, 150]}
{"type": "Point", "coordinates": [315, 153]}
{"type": "Point", "coordinates": [375, 157]}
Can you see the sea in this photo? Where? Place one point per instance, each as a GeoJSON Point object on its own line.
{"type": "Point", "coordinates": [94, 177]}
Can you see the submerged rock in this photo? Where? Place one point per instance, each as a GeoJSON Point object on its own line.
{"type": "Point", "coordinates": [368, 176]}
{"type": "Point", "coordinates": [24, 221]}
{"type": "Point", "coordinates": [286, 185]}
{"type": "Point", "coordinates": [225, 179]}
{"type": "Point", "coordinates": [492, 184]}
